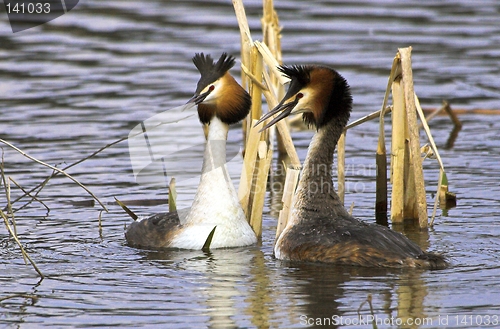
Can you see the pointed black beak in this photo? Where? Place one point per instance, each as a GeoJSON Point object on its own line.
{"type": "Point", "coordinates": [285, 109]}
{"type": "Point", "coordinates": [198, 98]}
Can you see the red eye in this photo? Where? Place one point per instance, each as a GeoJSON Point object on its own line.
{"type": "Point", "coordinates": [300, 95]}
{"type": "Point", "coordinates": [211, 88]}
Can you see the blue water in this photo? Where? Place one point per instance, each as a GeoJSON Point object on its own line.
{"type": "Point", "coordinates": [86, 79]}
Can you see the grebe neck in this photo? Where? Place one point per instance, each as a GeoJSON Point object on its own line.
{"type": "Point", "coordinates": [316, 196]}
{"type": "Point", "coordinates": [215, 146]}
{"type": "Point", "coordinates": [216, 200]}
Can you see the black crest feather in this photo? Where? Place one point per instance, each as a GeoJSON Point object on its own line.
{"type": "Point", "coordinates": [299, 73]}
{"type": "Point", "coordinates": [209, 70]}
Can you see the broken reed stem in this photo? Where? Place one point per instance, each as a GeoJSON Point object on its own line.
{"type": "Point", "coordinates": [341, 166]}
{"type": "Point", "coordinates": [442, 189]}
{"type": "Point", "coordinates": [246, 44]}
{"type": "Point", "coordinates": [245, 37]}
{"type": "Point", "coordinates": [398, 152]}
{"type": "Point", "coordinates": [172, 196]}
{"type": "Point", "coordinates": [256, 91]}
{"type": "Point", "coordinates": [264, 157]}
{"type": "Point", "coordinates": [410, 208]}
{"type": "Point", "coordinates": [427, 130]}
{"type": "Point", "coordinates": [291, 181]}
{"type": "Point", "coordinates": [368, 117]}
{"type": "Point", "coordinates": [271, 30]}
{"type": "Point", "coordinates": [249, 163]}
{"type": "Point", "coordinates": [416, 159]}
{"type": "Point", "coordinates": [272, 101]}
{"type": "Point", "coordinates": [381, 154]}
{"type": "Point", "coordinates": [441, 172]}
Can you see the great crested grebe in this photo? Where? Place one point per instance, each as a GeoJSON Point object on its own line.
{"type": "Point", "coordinates": [320, 229]}
{"type": "Point", "coordinates": [221, 101]}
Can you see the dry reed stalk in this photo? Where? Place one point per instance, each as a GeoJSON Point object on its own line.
{"type": "Point", "coordinates": [442, 190]}
{"type": "Point", "coordinates": [250, 185]}
{"type": "Point", "coordinates": [245, 37]}
{"type": "Point", "coordinates": [265, 156]}
{"type": "Point", "coordinates": [254, 192]}
{"type": "Point", "coordinates": [271, 29]}
{"type": "Point", "coordinates": [286, 144]}
{"type": "Point", "coordinates": [246, 53]}
{"type": "Point", "coordinates": [249, 164]}
{"type": "Point", "coordinates": [398, 151]}
{"type": "Point", "coordinates": [414, 136]}
{"type": "Point", "coordinates": [253, 78]}
{"type": "Point", "coordinates": [271, 62]}
{"type": "Point", "coordinates": [341, 166]}
{"type": "Point", "coordinates": [381, 154]}
{"type": "Point", "coordinates": [427, 130]}
{"type": "Point", "coordinates": [461, 111]}
{"type": "Point", "coordinates": [172, 196]}
{"type": "Point", "coordinates": [255, 90]}
{"type": "Point", "coordinates": [291, 180]}
{"type": "Point", "coordinates": [434, 209]}
{"type": "Point", "coordinates": [410, 208]}
{"type": "Point", "coordinates": [6, 182]}
{"type": "Point", "coordinates": [271, 32]}
{"type": "Point", "coordinates": [272, 101]}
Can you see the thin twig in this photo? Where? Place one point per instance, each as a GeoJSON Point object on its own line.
{"type": "Point", "coordinates": [56, 169]}
{"type": "Point", "coordinates": [25, 254]}
{"type": "Point", "coordinates": [93, 155]}
{"type": "Point", "coordinates": [28, 296]}
{"type": "Point", "coordinates": [33, 197]}
{"type": "Point", "coordinates": [62, 171]}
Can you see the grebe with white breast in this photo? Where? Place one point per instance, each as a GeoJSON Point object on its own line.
{"type": "Point", "coordinates": [221, 101]}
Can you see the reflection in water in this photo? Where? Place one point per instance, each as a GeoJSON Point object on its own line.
{"type": "Point", "coordinates": [325, 287]}
{"type": "Point", "coordinates": [411, 295]}
{"type": "Point", "coordinates": [223, 286]}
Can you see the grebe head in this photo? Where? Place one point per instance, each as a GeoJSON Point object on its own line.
{"type": "Point", "coordinates": [319, 92]}
{"type": "Point", "coordinates": [217, 93]}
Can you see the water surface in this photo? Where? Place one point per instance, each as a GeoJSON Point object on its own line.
{"type": "Point", "coordinates": [86, 79]}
